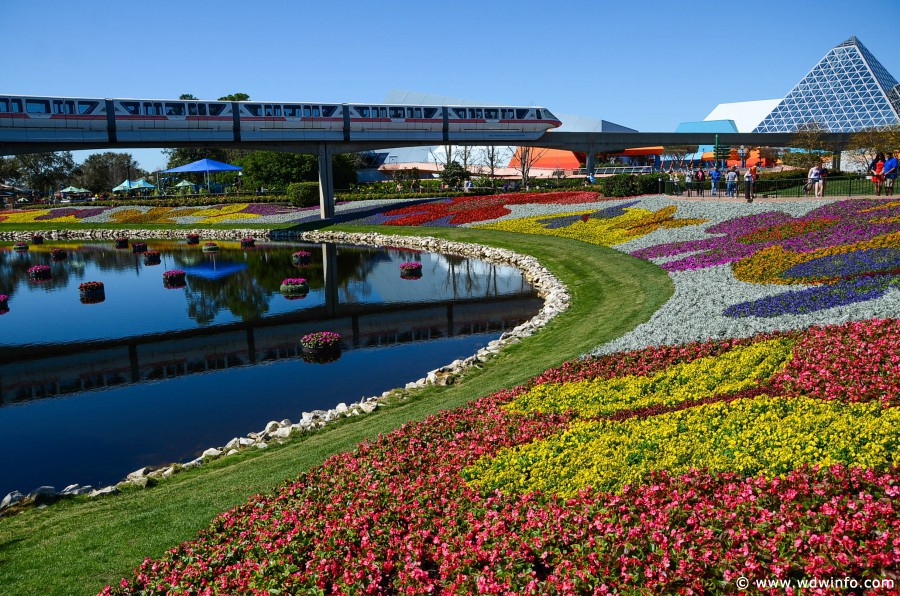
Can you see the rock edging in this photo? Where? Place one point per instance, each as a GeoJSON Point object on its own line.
{"type": "Point", "coordinates": [549, 287]}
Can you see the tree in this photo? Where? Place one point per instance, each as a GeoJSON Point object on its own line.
{"type": "Point", "coordinates": [808, 144]}
{"type": "Point", "coordinates": [102, 171]}
{"type": "Point", "coordinates": [527, 157]}
{"type": "Point", "coordinates": [453, 174]}
{"type": "Point", "coordinates": [493, 158]}
{"type": "Point", "coordinates": [676, 154]}
{"type": "Point", "coordinates": [235, 97]}
{"type": "Point", "coordinates": [865, 144]}
{"type": "Point", "coordinates": [9, 170]}
{"type": "Point", "coordinates": [187, 96]}
{"type": "Point", "coordinates": [46, 171]}
{"type": "Point", "coordinates": [273, 169]}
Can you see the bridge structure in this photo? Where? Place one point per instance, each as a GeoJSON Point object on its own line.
{"type": "Point", "coordinates": [589, 143]}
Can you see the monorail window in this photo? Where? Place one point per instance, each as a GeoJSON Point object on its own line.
{"type": "Point", "coordinates": [174, 109]}
{"type": "Point", "coordinates": [507, 114]}
{"type": "Point", "coordinates": [417, 112]}
{"type": "Point", "coordinates": [363, 112]}
{"type": "Point", "coordinates": [37, 106]}
{"type": "Point", "coordinates": [328, 111]}
{"type": "Point", "coordinates": [521, 114]}
{"type": "Point", "coordinates": [216, 108]}
{"type": "Point", "coordinates": [409, 113]}
{"type": "Point", "coordinates": [63, 107]}
{"type": "Point", "coordinates": [192, 109]}
{"type": "Point", "coordinates": [549, 115]}
{"type": "Point", "coordinates": [490, 113]}
{"type": "Point", "coordinates": [307, 111]}
{"type": "Point", "coordinates": [460, 112]}
{"type": "Point", "coordinates": [87, 107]}
{"type": "Point", "coordinates": [315, 111]}
{"type": "Point", "coordinates": [430, 112]}
{"type": "Point", "coordinates": [254, 109]}
{"type": "Point", "coordinates": [132, 107]}
{"type": "Point", "coordinates": [153, 108]}
{"type": "Point", "coordinates": [383, 112]}
{"type": "Point", "coordinates": [267, 110]}
{"type": "Point", "coordinates": [397, 112]}
{"type": "Point", "coordinates": [277, 110]}
{"type": "Point", "coordinates": [292, 111]}
{"type": "Point", "coordinates": [537, 114]}
{"type": "Point", "coordinates": [4, 105]}
{"type": "Point", "coordinates": [479, 113]}
{"type": "Point", "coordinates": [15, 105]}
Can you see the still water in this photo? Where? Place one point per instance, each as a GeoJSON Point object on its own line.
{"type": "Point", "coordinates": [153, 374]}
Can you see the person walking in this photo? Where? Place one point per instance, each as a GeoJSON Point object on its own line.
{"type": "Point", "coordinates": [754, 174]}
{"type": "Point", "coordinates": [812, 180]}
{"type": "Point", "coordinates": [823, 175]}
{"type": "Point", "coordinates": [714, 177]}
{"type": "Point", "coordinates": [689, 181]}
{"type": "Point", "coordinates": [748, 185]}
{"type": "Point", "coordinates": [876, 170]}
{"type": "Point", "coordinates": [731, 182]}
{"type": "Point", "coordinates": [700, 178]}
{"type": "Point", "coordinates": [890, 174]}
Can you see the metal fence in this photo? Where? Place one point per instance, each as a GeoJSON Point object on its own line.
{"type": "Point", "coordinates": [780, 187]}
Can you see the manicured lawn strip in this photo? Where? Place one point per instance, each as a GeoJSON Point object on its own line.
{"type": "Point", "coordinates": [75, 548]}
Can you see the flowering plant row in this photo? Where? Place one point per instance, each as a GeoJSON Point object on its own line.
{"type": "Point", "coordinates": [414, 511]}
{"type": "Point", "coordinates": [91, 286]}
{"type": "Point", "coordinates": [57, 254]}
{"type": "Point", "coordinates": [20, 246]}
{"type": "Point", "coordinates": [39, 271]}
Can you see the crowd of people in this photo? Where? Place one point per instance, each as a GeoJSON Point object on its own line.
{"type": "Point", "coordinates": [883, 171]}
{"type": "Point", "coordinates": [693, 181]}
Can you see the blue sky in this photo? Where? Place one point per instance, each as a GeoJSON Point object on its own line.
{"type": "Point", "coordinates": [647, 65]}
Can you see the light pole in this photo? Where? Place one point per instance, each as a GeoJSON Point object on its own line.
{"type": "Point", "coordinates": [742, 151]}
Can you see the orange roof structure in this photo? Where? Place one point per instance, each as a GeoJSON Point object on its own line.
{"type": "Point", "coordinates": [549, 159]}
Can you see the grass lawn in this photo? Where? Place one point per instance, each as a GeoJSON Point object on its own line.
{"type": "Point", "coordinates": [77, 547]}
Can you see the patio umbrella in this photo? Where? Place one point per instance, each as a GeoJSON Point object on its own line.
{"type": "Point", "coordinates": [205, 165]}
{"type": "Point", "coordinates": [142, 183]}
{"type": "Point", "coordinates": [126, 185]}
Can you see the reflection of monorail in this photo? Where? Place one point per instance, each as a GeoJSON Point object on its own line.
{"type": "Point", "coordinates": [26, 118]}
{"type": "Point", "coordinates": [153, 359]}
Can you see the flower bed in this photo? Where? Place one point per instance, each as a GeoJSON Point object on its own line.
{"type": "Point", "coordinates": [321, 347]}
{"type": "Point", "coordinates": [193, 238]}
{"type": "Point", "coordinates": [20, 246]}
{"type": "Point", "coordinates": [139, 247]}
{"type": "Point", "coordinates": [174, 279]}
{"type": "Point", "coordinates": [151, 257]}
{"type": "Point", "coordinates": [301, 257]}
{"type": "Point", "coordinates": [4, 304]}
{"type": "Point", "coordinates": [294, 286]}
{"type": "Point", "coordinates": [248, 242]}
{"type": "Point", "coordinates": [37, 239]}
{"type": "Point", "coordinates": [411, 270]}
{"type": "Point", "coordinates": [687, 498]}
{"type": "Point", "coordinates": [210, 247]}
{"type": "Point", "coordinates": [39, 273]}
{"type": "Point", "coordinates": [92, 292]}
{"type": "Point", "coordinates": [58, 254]}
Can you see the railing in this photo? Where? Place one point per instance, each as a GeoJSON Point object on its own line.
{"type": "Point", "coordinates": [612, 170]}
{"type": "Point", "coordinates": [777, 188]}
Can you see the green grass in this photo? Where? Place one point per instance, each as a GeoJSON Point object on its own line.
{"type": "Point", "coordinates": [77, 547]}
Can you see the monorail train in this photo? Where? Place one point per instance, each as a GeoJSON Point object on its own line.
{"type": "Point", "coordinates": [123, 121]}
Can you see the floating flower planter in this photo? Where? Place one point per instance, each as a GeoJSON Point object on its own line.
{"type": "Point", "coordinates": [39, 273]}
{"type": "Point", "coordinates": [139, 247]}
{"type": "Point", "coordinates": [37, 239]}
{"type": "Point", "coordinates": [321, 346]}
{"type": "Point", "coordinates": [4, 305]}
{"type": "Point", "coordinates": [58, 254]}
{"type": "Point", "coordinates": [248, 242]}
{"type": "Point", "coordinates": [411, 270]}
{"type": "Point", "coordinates": [151, 257]}
{"type": "Point", "coordinates": [294, 287]}
{"type": "Point", "coordinates": [174, 279]}
{"type": "Point", "coordinates": [210, 247]}
{"type": "Point", "coordinates": [301, 257]}
{"type": "Point", "coordinates": [20, 246]}
{"type": "Point", "coordinates": [121, 242]}
{"type": "Point", "coordinates": [193, 238]}
{"type": "Point", "coordinates": [92, 292]}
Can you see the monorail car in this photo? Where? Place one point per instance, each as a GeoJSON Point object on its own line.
{"type": "Point", "coordinates": [124, 121]}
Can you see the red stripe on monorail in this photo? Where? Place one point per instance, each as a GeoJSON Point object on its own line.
{"type": "Point", "coordinates": [424, 119]}
{"type": "Point", "coordinates": [140, 117]}
{"type": "Point", "coordinates": [468, 120]}
{"type": "Point", "coordinates": [216, 118]}
{"type": "Point", "coordinates": [370, 120]}
{"type": "Point", "coordinates": [14, 115]}
{"type": "Point", "coordinates": [264, 118]}
{"type": "Point", "coordinates": [531, 122]}
{"type": "Point", "coordinates": [78, 117]}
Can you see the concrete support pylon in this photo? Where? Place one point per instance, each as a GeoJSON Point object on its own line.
{"type": "Point", "coordinates": [326, 181]}
{"type": "Point", "coordinates": [330, 266]}
{"type": "Point", "coordinates": [590, 163]}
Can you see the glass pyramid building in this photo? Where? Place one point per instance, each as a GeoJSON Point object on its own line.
{"type": "Point", "coordinates": [848, 90]}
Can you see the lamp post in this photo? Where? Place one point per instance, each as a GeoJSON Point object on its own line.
{"type": "Point", "coordinates": [742, 151]}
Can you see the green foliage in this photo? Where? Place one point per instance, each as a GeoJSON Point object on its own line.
{"type": "Point", "coordinates": [303, 194]}
{"type": "Point", "coordinates": [273, 169]}
{"type": "Point", "coordinates": [101, 172]}
{"type": "Point", "coordinates": [235, 97]}
{"type": "Point", "coordinates": [46, 171]}
{"type": "Point", "coordinates": [629, 185]}
{"type": "Point", "coordinates": [453, 174]}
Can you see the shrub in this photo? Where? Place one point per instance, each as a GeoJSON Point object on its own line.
{"type": "Point", "coordinates": [303, 194]}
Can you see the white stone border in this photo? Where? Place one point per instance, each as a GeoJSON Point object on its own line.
{"type": "Point", "coordinates": [548, 286]}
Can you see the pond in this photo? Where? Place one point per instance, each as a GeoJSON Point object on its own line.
{"type": "Point", "coordinates": [147, 374]}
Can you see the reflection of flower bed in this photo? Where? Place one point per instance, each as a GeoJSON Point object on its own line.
{"type": "Point", "coordinates": [193, 238]}
{"type": "Point", "coordinates": [411, 270]}
{"type": "Point", "coordinates": [20, 246]}
{"type": "Point", "coordinates": [4, 304]}
{"type": "Point", "coordinates": [294, 286]}
{"type": "Point", "coordinates": [39, 272]}
{"type": "Point", "coordinates": [151, 257]}
{"type": "Point", "coordinates": [37, 239]}
{"type": "Point", "coordinates": [248, 242]}
{"type": "Point", "coordinates": [301, 257]}
{"type": "Point", "coordinates": [121, 242]}
{"type": "Point", "coordinates": [210, 247]}
{"type": "Point", "coordinates": [174, 279]}
{"type": "Point", "coordinates": [58, 254]}
{"type": "Point", "coordinates": [139, 247]}
{"type": "Point", "coordinates": [92, 292]}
